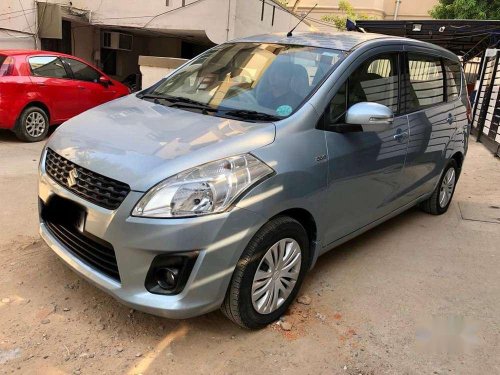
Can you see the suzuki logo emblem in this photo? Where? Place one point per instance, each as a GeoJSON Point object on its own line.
{"type": "Point", "coordinates": [71, 180]}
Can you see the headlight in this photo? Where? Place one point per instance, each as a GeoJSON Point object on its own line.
{"type": "Point", "coordinates": [207, 189]}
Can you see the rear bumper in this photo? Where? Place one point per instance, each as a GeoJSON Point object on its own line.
{"type": "Point", "coordinates": [220, 240]}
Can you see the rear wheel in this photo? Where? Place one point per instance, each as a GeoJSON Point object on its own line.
{"type": "Point", "coordinates": [440, 199]}
{"type": "Point", "coordinates": [32, 125]}
{"type": "Point", "coordinates": [269, 274]}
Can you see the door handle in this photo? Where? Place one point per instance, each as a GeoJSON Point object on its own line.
{"type": "Point", "coordinates": [81, 87]}
{"type": "Point", "coordinates": [40, 83]}
{"type": "Point", "coordinates": [400, 136]}
{"type": "Point", "coordinates": [450, 118]}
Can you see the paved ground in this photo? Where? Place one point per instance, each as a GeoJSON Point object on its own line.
{"type": "Point", "coordinates": [417, 295]}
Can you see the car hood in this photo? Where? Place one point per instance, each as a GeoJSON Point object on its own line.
{"type": "Point", "coordinates": [141, 143]}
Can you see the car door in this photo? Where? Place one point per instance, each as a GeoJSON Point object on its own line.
{"type": "Point", "coordinates": [431, 118]}
{"type": "Point", "coordinates": [364, 167]}
{"type": "Point", "coordinates": [51, 81]}
{"type": "Point", "coordinates": [93, 92]}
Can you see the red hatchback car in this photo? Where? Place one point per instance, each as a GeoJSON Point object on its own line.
{"type": "Point", "coordinates": [41, 88]}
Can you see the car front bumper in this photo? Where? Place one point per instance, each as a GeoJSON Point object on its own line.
{"type": "Point", "coordinates": [220, 240]}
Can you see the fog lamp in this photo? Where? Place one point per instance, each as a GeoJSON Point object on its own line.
{"type": "Point", "coordinates": [169, 273]}
{"type": "Point", "coordinates": [167, 278]}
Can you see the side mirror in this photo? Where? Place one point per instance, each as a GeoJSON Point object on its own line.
{"type": "Point", "coordinates": [372, 117]}
{"type": "Point", "coordinates": [105, 81]}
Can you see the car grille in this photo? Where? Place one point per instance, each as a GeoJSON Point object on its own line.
{"type": "Point", "coordinates": [98, 189]}
{"type": "Point", "coordinates": [65, 220]}
{"type": "Point", "coordinates": [98, 255]}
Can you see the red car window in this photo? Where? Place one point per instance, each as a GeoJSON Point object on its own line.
{"type": "Point", "coordinates": [47, 66]}
{"type": "Point", "coordinates": [82, 71]}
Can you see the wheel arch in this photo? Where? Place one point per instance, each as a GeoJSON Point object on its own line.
{"type": "Point", "coordinates": [459, 158]}
{"type": "Point", "coordinates": [306, 219]}
{"type": "Point", "coordinates": [39, 104]}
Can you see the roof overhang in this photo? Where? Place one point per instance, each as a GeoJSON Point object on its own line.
{"type": "Point", "coordinates": [467, 38]}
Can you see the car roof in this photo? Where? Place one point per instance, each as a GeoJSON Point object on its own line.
{"type": "Point", "coordinates": [15, 52]}
{"type": "Point", "coordinates": [344, 41]}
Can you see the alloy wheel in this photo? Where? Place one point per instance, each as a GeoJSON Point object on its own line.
{"type": "Point", "coordinates": [35, 124]}
{"type": "Point", "coordinates": [447, 186]}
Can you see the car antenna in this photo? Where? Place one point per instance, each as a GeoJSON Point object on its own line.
{"type": "Point", "coordinates": [289, 34]}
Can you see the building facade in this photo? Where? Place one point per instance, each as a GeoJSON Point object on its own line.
{"type": "Point", "coordinates": [377, 9]}
{"type": "Point", "coordinates": [112, 34]}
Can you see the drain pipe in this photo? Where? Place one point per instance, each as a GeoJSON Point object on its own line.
{"type": "Point", "coordinates": [228, 19]}
{"type": "Point", "coordinates": [396, 11]}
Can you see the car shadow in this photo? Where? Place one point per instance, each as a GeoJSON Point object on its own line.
{"type": "Point", "coordinates": [215, 323]}
{"type": "Point", "coordinates": [8, 136]}
{"type": "Point", "coordinates": [361, 243]}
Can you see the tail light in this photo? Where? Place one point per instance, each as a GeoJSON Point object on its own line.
{"type": "Point", "coordinates": [7, 67]}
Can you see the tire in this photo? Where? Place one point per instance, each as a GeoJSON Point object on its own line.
{"type": "Point", "coordinates": [32, 125]}
{"type": "Point", "coordinates": [238, 305]}
{"type": "Point", "coordinates": [433, 204]}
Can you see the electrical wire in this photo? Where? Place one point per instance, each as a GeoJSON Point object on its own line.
{"type": "Point", "coordinates": [15, 11]}
{"type": "Point", "coordinates": [16, 16]}
{"type": "Point", "coordinates": [25, 16]}
{"type": "Point", "coordinates": [9, 33]}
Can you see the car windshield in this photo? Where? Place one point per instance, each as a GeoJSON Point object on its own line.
{"type": "Point", "coordinates": [254, 81]}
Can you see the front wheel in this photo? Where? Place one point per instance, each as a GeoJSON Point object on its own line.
{"type": "Point", "coordinates": [269, 274]}
{"type": "Point", "coordinates": [439, 201]}
{"type": "Point", "coordinates": [32, 125]}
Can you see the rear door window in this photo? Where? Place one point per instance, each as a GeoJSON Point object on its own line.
{"type": "Point", "coordinates": [426, 82]}
{"type": "Point", "coordinates": [453, 79]}
{"type": "Point", "coordinates": [82, 71]}
{"type": "Point", "coordinates": [47, 66]}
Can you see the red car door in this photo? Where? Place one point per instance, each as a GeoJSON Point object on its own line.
{"type": "Point", "coordinates": [92, 89]}
{"type": "Point", "coordinates": [52, 83]}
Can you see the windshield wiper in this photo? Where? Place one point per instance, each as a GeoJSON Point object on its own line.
{"type": "Point", "coordinates": [178, 101]}
{"type": "Point", "coordinates": [250, 115]}
{"type": "Point", "coordinates": [150, 96]}
{"type": "Point", "coordinates": [181, 102]}
{"type": "Point", "coordinates": [181, 99]}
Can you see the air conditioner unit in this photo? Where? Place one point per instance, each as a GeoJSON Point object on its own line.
{"type": "Point", "coordinates": [116, 40]}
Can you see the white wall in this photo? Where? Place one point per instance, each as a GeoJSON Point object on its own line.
{"type": "Point", "coordinates": [219, 20]}
{"type": "Point", "coordinates": [17, 27]}
{"type": "Point", "coordinates": [14, 40]}
{"type": "Point", "coordinates": [155, 68]}
{"type": "Point", "coordinates": [213, 17]}
{"type": "Point", "coordinates": [381, 9]}
{"type": "Point", "coordinates": [248, 19]}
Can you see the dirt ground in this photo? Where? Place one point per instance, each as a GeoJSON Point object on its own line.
{"type": "Point", "coordinates": [417, 295]}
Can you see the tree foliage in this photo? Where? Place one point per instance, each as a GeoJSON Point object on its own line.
{"type": "Point", "coordinates": [348, 11]}
{"type": "Point", "coordinates": [466, 9]}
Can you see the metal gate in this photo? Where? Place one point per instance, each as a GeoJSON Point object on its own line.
{"type": "Point", "coordinates": [486, 113]}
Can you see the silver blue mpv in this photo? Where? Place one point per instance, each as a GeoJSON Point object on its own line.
{"type": "Point", "coordinates": [220, 186]}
